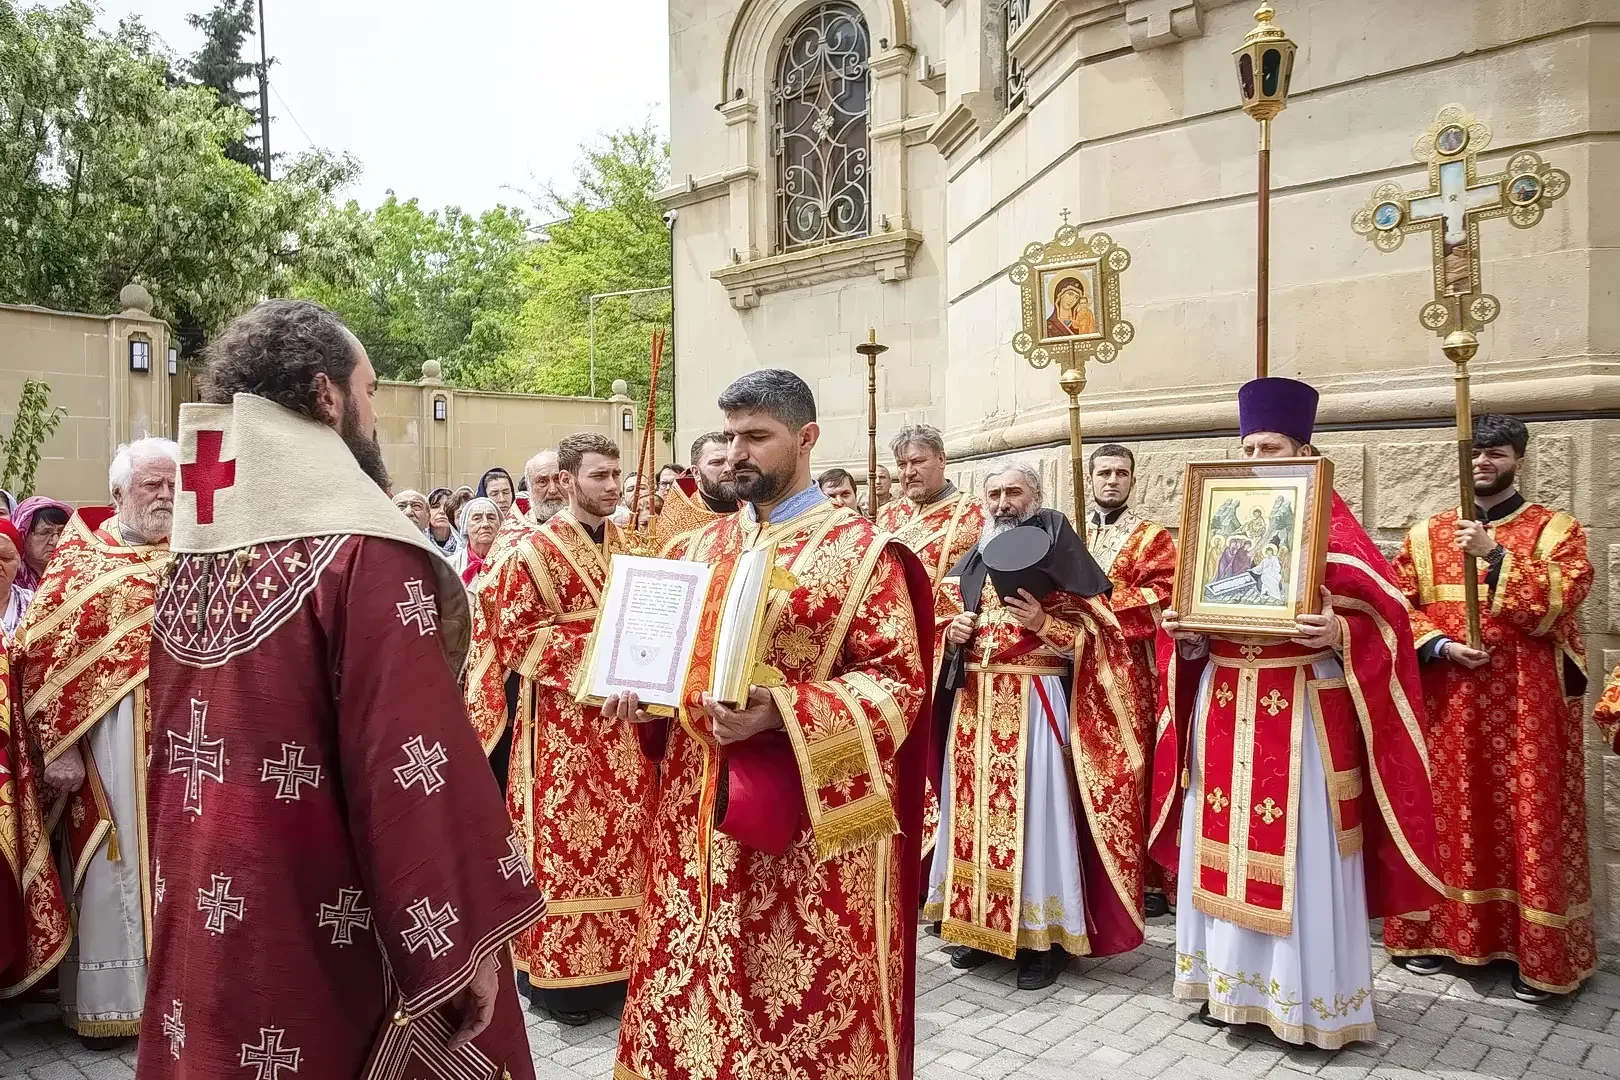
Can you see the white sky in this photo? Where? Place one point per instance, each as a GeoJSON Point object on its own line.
{"type": "Point", "coordinates": [451, 101]}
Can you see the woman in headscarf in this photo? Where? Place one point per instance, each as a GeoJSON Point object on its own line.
{"type": "Point", "coordinates": [39, 522]}
{"type": "Point", "coordinates": [441, 528]}
{"type": "Point", "coordinates": [15, 596]}
{"type": "Point", "coordinates": [8, 505]}
{"type": "Point", "coordinates": [496, 485]}
{"type": "Point", "coordinates": [480, 520]}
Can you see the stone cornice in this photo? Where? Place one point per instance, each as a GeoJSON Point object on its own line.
{"type": "Point", "coordinates": [703, 188]}
{"type": "Point", "coordinates": [1142, 25]}
{"type": "Point", "coordinates": [1172, 413]}
{"type": "Point", "coordinates": [886, 255]}
{"type": "Point", "coordinates": [972, 114]}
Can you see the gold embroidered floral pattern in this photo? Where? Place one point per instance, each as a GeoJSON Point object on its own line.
{"type": "Point", "coordinates": [1342, 1006]}
{"type": "Point", "coordinates": [1223, 983]}
{"type": "Point", "coordinates": [1224, 695]}
{"type": "Point", "coordinates": [1218, 801]}
{"type": "Point", "coordinates": [1274, 702]}
{"type": "Point", "coordinates": [1268, 811]}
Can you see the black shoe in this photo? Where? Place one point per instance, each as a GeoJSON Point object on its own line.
{"type": "Point", "coordinates": [569, 1019]}
{"type": "Point", "coordinates": [1525, 992]}
{"type": "Point", "coordinates": [1209, 1019]}
{"type": "Point", "coordinates": [103, 1043]}
{"type": "Point", "coordinates": [1038, 970]}
{"type": "Point", "coordinates": [1155, 906]}
{"type": "Point", "coordinates": [1421, 965]}
{"type": "Point", "coordinates": [966, 957]}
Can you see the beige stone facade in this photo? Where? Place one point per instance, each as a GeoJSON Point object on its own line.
{"type": "Point", "coordinates": [85, 360]}
{"type": "Point", "coordinates": [1129, 119]}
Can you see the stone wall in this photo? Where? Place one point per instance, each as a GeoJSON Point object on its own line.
{"type": "Point", "coordinates": [84, 359]}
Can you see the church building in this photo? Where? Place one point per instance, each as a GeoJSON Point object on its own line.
{"type": "Point", "coordinates": [840, 165]}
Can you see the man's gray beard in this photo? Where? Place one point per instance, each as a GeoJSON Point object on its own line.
{"type": "Point", "coordinates": [998, 525]}
{"type": "Point", "coordinates": [147, 528]}
{"type": "Point", "coordinates": [724, 491]}
{"type": "Point", "coordinates": [543, 512]}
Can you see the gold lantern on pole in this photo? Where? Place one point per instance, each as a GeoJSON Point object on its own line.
{"type": "Point", "coordinates": [1265, 67]}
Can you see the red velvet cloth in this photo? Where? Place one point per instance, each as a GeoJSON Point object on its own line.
{"type": "Point", "coordinates": [328, 841]}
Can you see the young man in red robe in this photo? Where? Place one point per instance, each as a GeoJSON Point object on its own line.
{"type": "Point", "coordinates": [82, 652]}
{"type": "Point", "coordinates": [778, 934]}
{"type": "Point", "coordinates": [1291, 791]}
{"type": "Point", "coordinates": [580, 793]}
{"type": "Point", "coordinates": [1139, 557]}
{"type": "Point", "coordinates": [336, 878]}
{"type": "Point", "coordinates": [1514, 859]}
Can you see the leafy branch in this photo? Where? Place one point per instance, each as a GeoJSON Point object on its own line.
{"type": "Point", "coordinates": [36, 421]}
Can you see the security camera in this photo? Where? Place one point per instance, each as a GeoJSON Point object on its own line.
{"type": "Point", "coordinates": [669, 218]}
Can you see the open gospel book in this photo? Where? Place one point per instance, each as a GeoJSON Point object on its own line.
{"type": "Point", "coordinates": [652, 618]}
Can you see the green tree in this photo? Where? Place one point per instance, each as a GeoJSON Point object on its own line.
{"type": "Point", "coordinates": [611, 238]}
{"type": "Point", "coordinates": [218, 65]}
{"type": "Point", "coordinates": [425, 285]}
{"type": "Point", "coordinates": [35, 422]}
{"type": "Point", "coordinates": [109, 174]}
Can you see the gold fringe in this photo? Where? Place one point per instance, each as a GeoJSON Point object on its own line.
{"type": "Point", "coordinates": [979, 937]}
{"type": "Point", "coordinates": [933, 911]}
{"type": "Point", "coordinates": [837, 757]}
{"type": "Point", "coordinates": [840, 833]}
{"type": "Point", "coordinates": [113, 852]}
{"type": "Point", "coordinates": [105, 1029]}
{"type": "Point", "coordinates": [1242, 914]}
{"type": "Point", "coordinates": [1041, 940]}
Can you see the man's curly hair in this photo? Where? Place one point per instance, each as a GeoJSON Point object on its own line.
{"type": "Point", "coordinates": [275, 351]}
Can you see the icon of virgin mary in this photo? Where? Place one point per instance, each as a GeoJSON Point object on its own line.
{"type": "Point", "coordinates": [1071, 311]}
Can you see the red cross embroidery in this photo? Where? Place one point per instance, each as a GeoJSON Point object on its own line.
{"type": "Point", "coordinates": [207, 474]}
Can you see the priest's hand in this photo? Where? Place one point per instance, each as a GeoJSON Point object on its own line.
{"type": "Point", "coordinates": [475, 1005]}
{"type": "Point", "coordinates": [1026, 609]}
{"type": "Point", "coordinates": [735, 725]}
{"type": "Point", "coordinates": [960, 630]}
{"type": "Point", "coordinates": [1170, 623]}
{"type": "Point", "coordinates": [626, 707]}
{"type": "Point", "coordinates": [66, 773]}
{"type": "Point", "coordinates": [1458, 653]}
{"type": "Point", "coordinates": [1319, 631]}
{"type": "Point", "coordinates": [1475, 539]}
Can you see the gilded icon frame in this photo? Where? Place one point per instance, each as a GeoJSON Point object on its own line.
{"type": "Point", "coordinates": [1253, 584]}
{"type": "Point", "coordinates": [1097, 262]}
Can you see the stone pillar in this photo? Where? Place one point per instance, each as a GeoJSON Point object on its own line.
{"type": "Point", "coordinates": [139, 400]}
{"type": "Point", "coordinates": [626, 432]}
{"type": "Point", "coordinates": [437, 410]}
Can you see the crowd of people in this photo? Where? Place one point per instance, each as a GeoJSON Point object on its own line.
{"type": "Point", "coordinates": [299, 773]}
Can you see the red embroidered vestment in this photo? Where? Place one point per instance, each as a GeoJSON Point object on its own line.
{"type": "Point", "coordinates": [1505, 751]}
{"type": "Point", "coordinates": [796, 962]}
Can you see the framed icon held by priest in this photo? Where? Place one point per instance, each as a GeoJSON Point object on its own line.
{"type": "Point", "coordinates": [1253, 544]}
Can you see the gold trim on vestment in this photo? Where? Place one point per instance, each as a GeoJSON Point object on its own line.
{"type": "Point", "coordinates": [1050, 670]}
{"type": "Point", "coordinates": [1504, 575]}
{"type": "Point", "coordinates": [70, 604]}
{"type": "Point", "coordinates": [872, 692]}
{"type": "Point", "coordinates": [1551, 920]}
{"type": "Point", "coordinates": [592, 905]}
{"type": "Point", "coordinates": [1422, 562]}
{"type": "Point", "coordinates": [880, 902]}
{"type": "Point", "coordinates": [103, 1029]}
{"type": "Point", "coordinates": [592, 585]}
{"type": "Point", "coordinates": [621, 1071]}
{"type": "Point", "coordinates": [1295, 1034]}
{"type": "Point", "coordinates": [1270, 662]}
{"type": "Point", "coordinates": [1491, 958]}
{"type": "Point", "coordinates": [598, 979]}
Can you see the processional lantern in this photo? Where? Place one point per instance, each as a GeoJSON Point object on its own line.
{"type": "Point", "coordinates": [1265, 67]}
{"type": "Point", "coordinates": [1450, 209]}
{"type": "Point", "coordinates": [1070, 314]}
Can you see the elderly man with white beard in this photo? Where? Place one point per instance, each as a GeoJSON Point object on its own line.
{"type": "Point", "coordinates": [1017, 871]}
{"type": "Point", "coordinates": [83, 653]}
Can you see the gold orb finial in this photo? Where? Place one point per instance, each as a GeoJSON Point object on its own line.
{"type": "Point", "coordinates": [1073, 380]}
{"type": "Point", "coordinates": [1460, 346]}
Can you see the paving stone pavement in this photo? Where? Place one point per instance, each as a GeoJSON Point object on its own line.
{"type": "Point", "coordinates": [1110, 1018]}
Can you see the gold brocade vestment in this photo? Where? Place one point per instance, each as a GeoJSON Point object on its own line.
{"type": "Point", "coordinates": [799, 964]}
{"type": "Point", "coordinates": [579, 791]}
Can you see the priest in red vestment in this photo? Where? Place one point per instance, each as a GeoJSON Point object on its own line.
{"type": "Point", "coordinates": [700, 495]}
{"type": "Point", "coordinates": [580, 792]}
{"type": "Point", "coordinates": [1505, 745]}
{"type": "Point", "coordinates": [34, 926]}
{"type": "Point", "coordinates": [82, 652]}
{"type": "Point", "coordinates": [940, 524]}
{"type": "Point", "coordinates": [778, 934]}
{"type": "Point", "coordinates": [1041, 855]}
{"type": "Point", "coordinates": [1291, 787]}
{"type": "Point", "coordinates": [1139, 557]}
{"type": "Point", "coordinates": [336, 879]}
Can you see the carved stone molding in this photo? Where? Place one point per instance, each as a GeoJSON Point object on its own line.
{"type": "Point", "coordinates": [887, 255]}
{"type": "Point", "coordinates": [1151, 23]}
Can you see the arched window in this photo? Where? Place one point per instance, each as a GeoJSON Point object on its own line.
{"type": "Point", "coordinates": [823, 154]}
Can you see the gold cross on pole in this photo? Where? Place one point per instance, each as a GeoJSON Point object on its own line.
{"type": "Point", "coordinates": [1450, 210]}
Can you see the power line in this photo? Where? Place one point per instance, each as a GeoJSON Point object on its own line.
{"type": "Point", "coordinates": [288, 110]}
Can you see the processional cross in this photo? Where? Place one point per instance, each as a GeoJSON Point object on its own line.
{"type": "Point", "coordinates": [1450, 210]}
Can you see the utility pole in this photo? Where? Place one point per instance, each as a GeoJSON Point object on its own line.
{"type": "Point", "coordinates": [264, 97]}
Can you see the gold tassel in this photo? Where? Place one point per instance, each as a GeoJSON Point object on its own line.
{"type": "Point", "coordinates": [113, 854]}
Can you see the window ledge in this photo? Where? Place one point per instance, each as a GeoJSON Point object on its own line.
{"type": "Point", "coordinates": [887, 255]}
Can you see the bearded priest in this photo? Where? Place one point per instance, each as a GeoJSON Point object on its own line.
{"type": "Point", "coordinates": [580, 793]}
{"type": "Point", "coordinates": [1505, 732]}
{"type": "Point", "coordinates": [702, 493]}
{"type": "Point", "coordinates": [83, 654]}
{"type": "Point", "coordinates": [778, 934]}
{"type": "Point", "coordinates": [1139, 557]}
{"type": "Point", "coordinates": [1040, 852]}
{"type": "Point", "coordinates": [1291, 785]}
{"type": "Point", "coordinates": [336, 879]}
